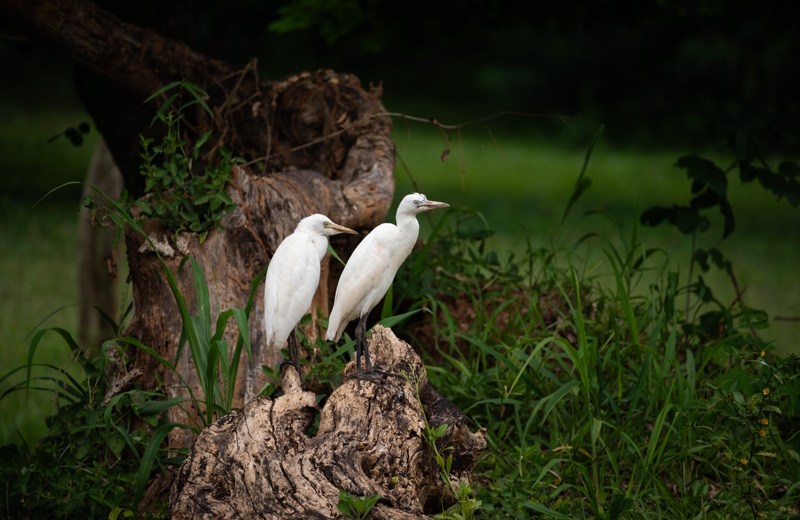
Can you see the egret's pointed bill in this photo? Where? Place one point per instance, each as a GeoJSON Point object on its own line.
{"type": "Point", "coordinates": [432, 204]}
{"type": "Point", "coordinates": [340, 229]}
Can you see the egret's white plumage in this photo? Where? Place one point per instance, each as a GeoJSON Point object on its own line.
{"type": "Point", "coordinates": [293, 276]}
{"type": "Point", "coordinates": [372, 266]}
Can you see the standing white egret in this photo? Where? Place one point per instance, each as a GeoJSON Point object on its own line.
{"type": "Point", "coordinates": [292, 279]}
{"type": "Point", "coordinates": [369, 273]}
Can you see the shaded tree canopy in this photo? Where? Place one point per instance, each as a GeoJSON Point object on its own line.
{"type": "Point", "coordinates": [667, 72]}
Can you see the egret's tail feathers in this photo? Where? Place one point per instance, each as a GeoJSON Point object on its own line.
{"type": "Point", "coordinates": [336, 326]}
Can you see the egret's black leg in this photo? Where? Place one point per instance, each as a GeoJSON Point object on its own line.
{"type": "Point", "coordinates": [370, 373]}
{"type": "Point", "coordinates": [361, 334]}
{"type": "Point", "coordinates": [294, 354]}
{"type": "Point", "coordinates": [294, 357]}
{"type": "Point", "coordinates": [358, 355]}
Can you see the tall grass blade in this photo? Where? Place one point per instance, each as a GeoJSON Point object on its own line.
{"type": "Point", "coordinates": [548, 513]}
{"type": "Point", "coordinates": [583, 182]}
{"type": "Point", "coordinates": [149, 456]}
{"type": "Point", "coordinates": [35, 343]}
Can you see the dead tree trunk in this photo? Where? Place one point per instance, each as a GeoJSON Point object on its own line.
{"type": "Point", "coordinates": [320, 142]}
{"type": "Point", "coordinates": [97, 257]}
{"type": "Point", "coordinates": [260, 463]}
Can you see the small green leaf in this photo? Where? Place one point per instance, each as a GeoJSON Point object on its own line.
{"type": "Point", "coordinates": [345, 502]}
{"type": "Point", "coordinates": [155, 407]}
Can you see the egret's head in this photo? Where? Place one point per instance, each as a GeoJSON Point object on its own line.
{"type": "Point", "coordinates": [322, 225]}
{"type": "Point", "coordinates": [417, 203]}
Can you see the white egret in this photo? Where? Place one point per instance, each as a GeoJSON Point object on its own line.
{"type": "Point", "coordinates": [292, 279]}
{"type": "Point", "coordinates": [369, 273]}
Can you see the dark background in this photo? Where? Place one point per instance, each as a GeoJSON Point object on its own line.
{"type": "Point", "coordinates": [658, 74]}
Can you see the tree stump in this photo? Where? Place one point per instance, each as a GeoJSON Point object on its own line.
{"type": "Point", "coordinates": [260, 463]}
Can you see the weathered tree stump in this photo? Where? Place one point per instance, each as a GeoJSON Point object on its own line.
{"type": "Point", "coordinates": [260, 463]}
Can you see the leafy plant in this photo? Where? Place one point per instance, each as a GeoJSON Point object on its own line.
{"type": "Point", "coordinates": [74, 134]}
{"type": "Point", "coordinates": [466, 505]}
{"type": "Point", "coordinates": [357, 508]}
{"type": "Point", "coordinates": [753, 145]}
{"type": "Point", "coordinates": [93, 451]}
{"type": "Point", "coordinates": [208, 350]}
{"type": "Point", "coordinates": [175, 193]}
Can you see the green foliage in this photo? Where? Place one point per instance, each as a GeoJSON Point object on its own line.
{"type": "Point", "coordinates": [598, 400]}
{"type": "Point", "coordinates": [334, 20]}
{"type": "Point", "coordinates": [216, 373]}
{"type": "Point", "coordinates": [753, 146]}
{"type": "Point", "coordinates": [208, 350]}
{"type": "Point", "coordinates": [465, 506]}
{"type": "Point", "coordinates": [94, 451]}
{"type": "Point", "coordinates": [74, 134]}
{"type": "Point", "coordinates": [175, 194]}
{"type": "Point", "coordinates": [356, 508]}
{"type": "Point", "coordinates": [602, 395]}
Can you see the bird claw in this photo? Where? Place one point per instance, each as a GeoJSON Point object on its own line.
{"type": "Point", "coordinates": [385, 373]}
{"type": "Point", "coordinates": [373, 376]}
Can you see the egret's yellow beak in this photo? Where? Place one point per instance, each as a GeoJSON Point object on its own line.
{"type": "Point", "coordinates": [340, 229]}
{"type": "Point", "coordinates": [432, 204]}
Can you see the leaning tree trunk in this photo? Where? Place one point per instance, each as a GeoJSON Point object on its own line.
{"type": "Point", "coordinates": [260, 462]}
{"type": "Point", "coordinates": [322, 145]}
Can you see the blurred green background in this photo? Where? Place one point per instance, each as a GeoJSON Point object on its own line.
{"type": "Point", "coordinates": [666, 79]}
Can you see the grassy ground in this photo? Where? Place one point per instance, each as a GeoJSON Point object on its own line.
{"type": "Point", "coordinates": [39, 243]}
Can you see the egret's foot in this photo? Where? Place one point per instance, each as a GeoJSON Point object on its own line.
{"type": "Point", "coordinates": [385, 373]}
{"type": "Point", "coordinates": [374, 376]}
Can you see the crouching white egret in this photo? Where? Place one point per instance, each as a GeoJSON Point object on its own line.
{"type": "Point", "coordinates": [292, 279]}
{"type": "Point", "coordinates": [369, 273]}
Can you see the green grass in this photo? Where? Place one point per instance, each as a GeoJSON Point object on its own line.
{"type": "Point", "coordinates": [39, 278]}
{"type": "Point", "coordinates": [39, 245]}
{"type": "Point", "coordinates": [600, 404]}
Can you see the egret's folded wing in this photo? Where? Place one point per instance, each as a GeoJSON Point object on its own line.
{"type": "Point", "coordinates": [292, 280]}
{"type": "Point", "coordinates": [360, 282]}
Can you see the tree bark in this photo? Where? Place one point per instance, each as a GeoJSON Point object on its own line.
{"type": "Point", "coordinates": [136, 57]}
{"type": "Point", "coordinates": [260, 463]}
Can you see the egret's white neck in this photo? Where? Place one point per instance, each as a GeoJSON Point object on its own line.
{"type": "Point", "coordinates": [320, 244]}
{"type": "Point", "coordinates": [409, 229]}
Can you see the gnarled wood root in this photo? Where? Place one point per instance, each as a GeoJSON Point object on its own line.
{"type": "Point", "coordinates": [259, 462]}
